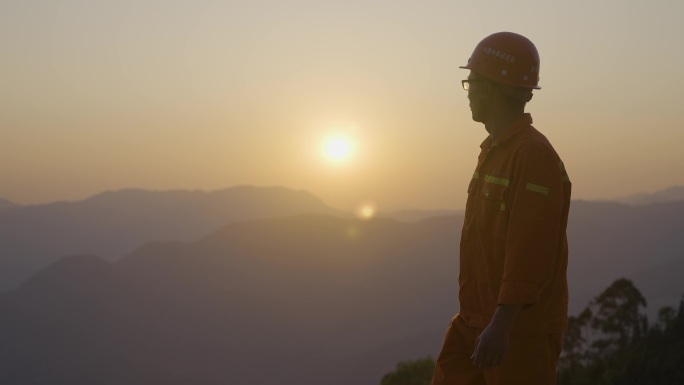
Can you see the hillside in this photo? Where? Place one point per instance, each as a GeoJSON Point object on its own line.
{"type": "Point", "coordinates": [611, 240]}
{"type": "Point", "coordinates": [311, 294]}
{"type": "Point", "coordinates": [112, 224]}
{"type": "Point", "coordinates": [418, 215]}
{"type": "Point", "coordinates": [327, 299]}
{"type": "Point", "coordinates": [670, 194]}
{"type": "Point", "coordinates": [5, 204]}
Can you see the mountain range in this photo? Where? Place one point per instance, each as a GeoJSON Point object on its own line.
{"type": "Point", "coordinates": [5, 204]}
{"type": "Point", "coordinates": [301, 299]}
{"type": "Point", "coordinates": [670, 194]}
{"type": "Point", "coordinates": [612, 240]}
{"type": "Point", "coordinates": [112, 224]}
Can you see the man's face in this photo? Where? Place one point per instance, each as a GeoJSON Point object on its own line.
{"type": "Point", "coordinates": [477, 85]}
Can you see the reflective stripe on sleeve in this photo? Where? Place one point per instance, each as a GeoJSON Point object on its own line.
{"type": "Point", "coordinates": [495, 180]}
{"type": "Point", "coordinates": [537, 188]}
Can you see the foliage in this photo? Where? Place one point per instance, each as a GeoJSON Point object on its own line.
{"type": "Point", "coordinates": [608, 343]}
{"type": "Point", "coordinates": [416, 372]}
{"type": "Point", "coordinates": [611, 343]}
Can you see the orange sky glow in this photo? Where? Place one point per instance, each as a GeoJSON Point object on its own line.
{"type": "Point", "coordinates": [207, 95]}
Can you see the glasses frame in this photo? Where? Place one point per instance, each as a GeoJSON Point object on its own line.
{"type": "Point", "coordinates": [467, 82]}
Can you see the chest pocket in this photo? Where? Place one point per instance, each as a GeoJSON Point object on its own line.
{"type": "Point", "coordinates": [493, 197]}
{"type": "Point", "coordinates": [493, 212]}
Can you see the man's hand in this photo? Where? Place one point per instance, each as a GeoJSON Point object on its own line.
{"type": "Point", "coordinates": [492, 344]}
{"type": "Point", "coordinates": [491, 347]}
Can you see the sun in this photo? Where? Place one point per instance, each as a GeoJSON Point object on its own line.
{"type": "Point", "coordinates": [367, 211]}
{"type": "Point", "coordinates": [338, 148]}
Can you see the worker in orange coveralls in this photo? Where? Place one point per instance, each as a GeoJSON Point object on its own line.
{"type": "Point", "coordinates": [513, 289]}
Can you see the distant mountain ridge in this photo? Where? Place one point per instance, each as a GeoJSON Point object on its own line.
{"type": "Point", "coordinates": [6, 204]}
{"type": "Point", "coordinates": [325, 299]}
{"type": "Point", "coordinates": [309, 295]}
{"type": "Point", "coordinates": [413, 215]}
{"type": "Point", "coordinates": [670, 194]}
{"type": "Point", "coordinates": [114, 223]}
{"type": "Point", "coordinates": [613, 240]}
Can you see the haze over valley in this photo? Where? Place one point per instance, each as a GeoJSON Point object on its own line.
{"type": "Point", "coordinates": [214, 283]}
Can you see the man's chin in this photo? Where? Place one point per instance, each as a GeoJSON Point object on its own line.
{"type": "Point", "coordinates": [476, 117]}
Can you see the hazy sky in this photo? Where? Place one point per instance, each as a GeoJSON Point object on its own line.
{"type": "Point", "coordinates": [103, 95]}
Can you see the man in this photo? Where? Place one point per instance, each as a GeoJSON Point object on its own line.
{"type": "Point", "coordinates": [513, 288]}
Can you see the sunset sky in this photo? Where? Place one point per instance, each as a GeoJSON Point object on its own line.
{"type": "Point", "coordinates": [105, 95]}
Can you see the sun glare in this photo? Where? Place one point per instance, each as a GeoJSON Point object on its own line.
{"type": "Point", "coordinates": [338, 148]}
{"type": "Point", "coordinates": [366, 211]}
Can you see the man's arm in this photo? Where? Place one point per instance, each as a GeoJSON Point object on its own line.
{"type": "Point", "coordinates": [533, 227]}
{"type": "Point", "coordinates": [530, 249]}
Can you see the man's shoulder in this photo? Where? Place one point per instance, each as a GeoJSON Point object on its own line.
{"type": "Point", "coordinates": [533, 141]}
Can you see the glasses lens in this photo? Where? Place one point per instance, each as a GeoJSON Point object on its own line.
{"type": "Point", "coordinates": [465, 84]}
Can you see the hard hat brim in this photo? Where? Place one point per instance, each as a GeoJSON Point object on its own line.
{"type": "Point", "coordinates": [465, 67]}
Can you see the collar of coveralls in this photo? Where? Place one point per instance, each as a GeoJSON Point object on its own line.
{"type": "Point", "coordinates": [523, 121]}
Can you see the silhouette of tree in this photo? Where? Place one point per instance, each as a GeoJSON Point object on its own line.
{"type": "Point", "coordinates": [416, 372]}
{"type": "Point", "coordinates": [618, 316]}
{"type": "Point", "coordinates": [574, 343]}
{"type": "Point", "coordinates": [660, 359]}
{"type": "Point", "coordinates": [611, 343]}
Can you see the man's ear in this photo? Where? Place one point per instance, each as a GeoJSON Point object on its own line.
{"type": "Point", "coordinates": [523, 95]}
{"type": "Point", "coordinates": [485, 90]}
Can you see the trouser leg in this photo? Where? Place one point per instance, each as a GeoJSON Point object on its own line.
{"type": "Point", "coordinates": [454, 365]}
{"type": "Point", "coordinates": [530, 360]}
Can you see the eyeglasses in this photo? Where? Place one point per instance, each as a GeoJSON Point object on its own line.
{"type": "Point", "coordinates": [466, 83]}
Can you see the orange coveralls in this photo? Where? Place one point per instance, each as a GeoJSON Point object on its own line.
{"type": "Point", "coordinates": [513, 251]}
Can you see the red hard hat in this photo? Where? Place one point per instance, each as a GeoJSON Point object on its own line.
{"type": "Point", "coordinates": [507, 58]}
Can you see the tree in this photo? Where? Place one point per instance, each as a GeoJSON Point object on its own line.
{"type": "Point", "coordinates": [659, 359]}
{"type": "Point", "coordinates": [618, 316]}
{"type": "Point", "coordinates": [610, 342]}
{"type": "Point", "coordinates": [574, 341]}
{"type": "Point", "coordinates": [416, 372]}
{"type": "Point", "coordinates": [606, 335]}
